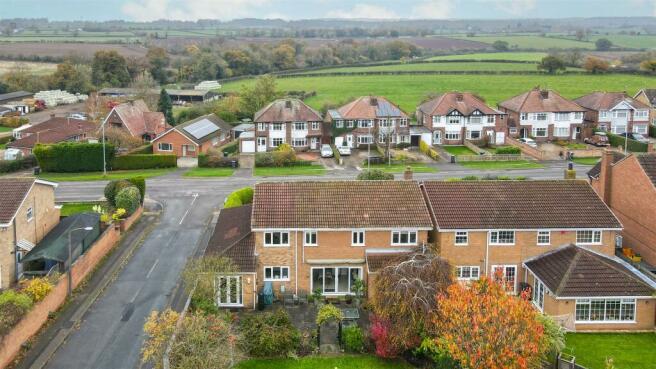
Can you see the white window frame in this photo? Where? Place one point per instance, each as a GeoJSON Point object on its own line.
{"type": "Point", "coordinates": [475, 119]}
{"type": "Point", "coordinates": [300, 126]}
{"type": "Point", "coordinates": [350, 123]}
{"type": "Point", "coordinates": [542, 234]}
{"type": "Point", "coordinates": [538, 294]}
{"type": "Point", "coordinates": [271, 244]}
{"type": "Point", "coordinates": [640, 128]}
{"type": "Point", "coordinates": [497, 243]}
{"type": "Point", "coordinates": [160, 147]}
{"type": "Point", "coordinates": [277, 127]}
{"type": "Point", "coordinates": [309, 233]}
{"type": "Point", "coordinates": [464, 234]}
{"type": "Point", "coordinates": [595, 232]}
{"type": "Point", "coordinates": [452, 135]}
{"type": "Point", "coordinates": [361, 238]}
{"type": "Point", "coordinates": [535, 130]}
{"type": "Point", "coordinates": [469, 135]}
{"type": "Point", "coordinates": [261, 126]}
{"type": "Point", "coordinates": [561, 117]}
{"type": "Point", "coordinates": [578, 115]}
{"type": "Point", "coordinates": [403, 122]}
{"type": "Point", "coordinates": [543, 117]}
{"type": "Point", "coordinates": [523, 116]}
{"type": "Point", "coordinates": [460, 271]}
{"type": "Point", "coordinates": [409, 234]}
{"type": "Point", "coordinates": [271, 273]}
{"type": "Point", "coordinates": [561, 131]}
{"type": "Point", "coordinates": [336, 269]}
{"type": "Point", "coordinates": [365, 139]}
{"type": "Point", "coordinates": [588, 302]}
{"type": "Point", "coordinates": [339, 123]}
{"type": "Point", "coordinates": [299, 142]}
{"type": "Point", "coordinates": [229, 280]}
{"type": "Point", "coordinates": [490, 119]}
{"type": "Point", "coordinates": [315, 126]}
{"type": "Point", "coordinates": [29, 214]}
{"type": "Point", "coordinates": [277, 139]}
{"type": "Point", "coordinates": [505, 269]}
{"type": "Point", "coordinates": [642, 113]}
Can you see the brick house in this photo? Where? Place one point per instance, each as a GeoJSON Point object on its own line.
{"type": "Point", "coordinates": [193, 137]}
{"type": "Point", "coordinates": [288, 121]}
{"type": "Point", "coordinates": [27, 214]}
{"type": "Point", "coordinates": [648, 96]}
{"type": "Point", "coordinates": [136, 118]}
{"type": "Point", "coordinates": [454, 117]}
{"type": "Point", "coordinates": [52, 131]}
{"type": "Point", "coordinates": [628, 186]}
{"type": "Point", "coordinates": [615, 112]}
{"type": "Point", "coordinates": [369, 119]}
{"type": "Point", "coordinates": [543, 115]}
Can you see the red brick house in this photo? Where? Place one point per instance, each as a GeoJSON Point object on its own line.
{"type": "Point", "coordinates": [288, 121]}
{"type": "Point", "coordinates": [193, 137]}
{"type": "Point", "coordinates": [52, 131]}
{"type": "Point", "coordinates": [136, 118]}
{"type": "Point", "coordinates": [615, 112]}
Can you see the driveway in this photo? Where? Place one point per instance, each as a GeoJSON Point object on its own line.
{"type": "Point", "coordinates": [60, 111]}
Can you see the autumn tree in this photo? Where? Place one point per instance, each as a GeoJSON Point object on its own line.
{"type": "Point", "coordinates": [284, 56]}
{"type": "Point", "coordinates": [255, 98]}
{"type": "Point", "coordinates": [72, 78]}
{"type": "Point", "coordinates": [109, 68]}
{"type": "Point", "coordinates": [19, 77]}
{"type": "Point", "coordinates": [595, 65]}
{"type": "Point", "coordinates": [551, 64]}
{"type": "Point", "coordinates": [648, 65]}
{"type": "Point", "coordinates": [121, 138]}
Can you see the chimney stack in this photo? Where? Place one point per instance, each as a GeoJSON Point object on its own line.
{"type": "Point", "coordinates": [459, 97]}
{"type": "Point", "coordinates": [288, 104]}
{"type": "Point", "coordinates": [605, 176]}
{"type": "Point", "coordinates": [407, 174]}
{"type": "Point", "coordinates": [373, 100]}
{"type": "Point", "coordinates": [544, 94]}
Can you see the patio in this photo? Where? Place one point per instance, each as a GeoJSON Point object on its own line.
{"type": "Point", "coordinates": [303, 314]}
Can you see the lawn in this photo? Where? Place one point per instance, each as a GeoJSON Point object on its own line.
{"type": "Point", "coordinates": [98, 176]}
{"type": "Point", "coordinates": [518, 56]}
{"type": "Point", "coordinates": [306, 170]}
{"type": "Point", "coordinates": [333, 362]}
{"type": "Point", "coordinates": [409, 90]}
{"type": "Point", "coordinates": [71, 208]}
{"type": "Point", "coordinates": [458, 150]}
{"type": "Point", "coordinates": [400, 168]}
{"type": "Point", "coordinates": [628, 350]}
{"type": "Point", "coordinates": [532, 42]}
{"type": "Point", "coordinates": [5, 129]}
{"type": "Point", "coordinates": [210, 172]}
{"type": "Point", "coordinates": [586, 161]}
{"type": "Point", "coordinates": [499, 165]}
{"type": "Point", "coordinates": [422, 67]}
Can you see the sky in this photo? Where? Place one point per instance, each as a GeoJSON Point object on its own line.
{"type": "Point", "coordinates": [148, 10]}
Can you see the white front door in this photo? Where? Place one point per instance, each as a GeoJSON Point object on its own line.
{"type": "Point", "coordinates": [184, 150]}
{"type": "Point", "coordinates": [437, 138]}
{"type": "Point", "coordinates": [314, 143]}
{"type": "Point", "coordinates": [261, 144]}
{"type": "Point", "coordinates": [229, 290]}
{"type": "Point", "coordinates": [349, 141]}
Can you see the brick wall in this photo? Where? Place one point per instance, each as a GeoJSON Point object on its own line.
{"type": "Point", "coordinates": [176, 139]}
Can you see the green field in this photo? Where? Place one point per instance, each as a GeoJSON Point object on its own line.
{"type": "Point", "coordinates": [209, 172]}
{"type": "Point", "coordinates": [501, 165]}
{"type": "Point", "coordinates": [400, 168]}
{"type": "Point", "coordinates": [329, 362]}
{"type": "Point", "coordinates": [98, 176]}
{"type": "Point", "coordinates": [630, 41]}
{"type": "Point", "coordinates": [532, 42]}
{"type": "Point", "coordinates": [518, 56]}
{"type": "Point", "coordinates": [628, 350]}
{"type": "Point", "coordinates": [307, 170]}
{"type": "Point", "coordinates": [425, 67]}
{"type": "Point", "coordinates": [409, 90]}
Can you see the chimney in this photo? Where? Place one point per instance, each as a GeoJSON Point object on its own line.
{"type": "Point", "coordinates": [544, 94]}
{"type": "Point", "coordinates": [407, 174]}
{"type": "Point", "coordinates": [288, 104]}
{"type": "Point", "coordinates": [459, 97]}
{"type": "Point", "coordinates": [373, 100]}
{"type": "Point", "coordinates": [605, 176]}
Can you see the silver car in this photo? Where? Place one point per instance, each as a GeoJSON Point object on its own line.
{"type": "Point", "coordinates": [326, 151]}
{"type": "Point", "coordinates": [344, 150]}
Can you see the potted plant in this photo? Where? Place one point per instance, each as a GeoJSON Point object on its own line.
{"type": "Point", "coordinates": [358, 290]}
{"type": "Point", "coordinates": [317, 296]}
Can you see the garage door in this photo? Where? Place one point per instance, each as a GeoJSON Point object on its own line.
{"type": "Point", "coordinates": [248, 146]}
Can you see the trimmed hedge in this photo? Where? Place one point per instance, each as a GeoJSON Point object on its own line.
{"type": "Point", "coordinates": [230, 148]}
{"type": "Point", "coordinates": [213, 161]}
{"type": "Point", "coordinates": [508, 150]}
{"type": "Point", "coordinates": [128, 199]}
{"type": "Point", "coordinates": [72, 157]}
{"type": "Point", "coordinates": [113, 188]}
{"type": "Point", "coordinates": [633, 145]}
{"type": "Point", "coordinates": [238, 198]}
{"type": "Point", "coordinates": [140, 184]}
{"type": "Point", "coordinates": [375, 175]}
{"type": "Point", "coordinates": [8, 166]}
{"type": "Point", "coordinates": [144, 161]}
{"type": "Point", "coordinates": [146, 149]}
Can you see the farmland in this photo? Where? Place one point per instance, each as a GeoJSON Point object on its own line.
{"type": "Point", "coordinates": [36, 68]}
{"type": "Point", "coordinates": [60, 50]}
{"type": "Point", "coordinates": [631, 41]}
{"type": "Point", "coordinates": [532, 42]}
{"type": "Point", "coordinates": [425, 67]}
{"type": "Point", "coordinates": [515, 56]}
{"type": "Point", "coordinates": [409, 90]}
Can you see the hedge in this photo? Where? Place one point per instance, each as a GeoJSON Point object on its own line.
{"type": "Point", "coordinates": [652, 131]}
{"type": "Point", "coordinates": [238, 198]}
{"type": "Point", "coordinates": [213, 161]}
{"type": "Point", "coordinates": [508, 150]}
{"type": "Point", "coordinates": [144, 161]}
{"type": "Point", "coordinates": [8, 166]}
{"type": "Point", "coordinates": [230, 148]}
{"type": "Point", "coordinates": [113, 188]}
{"type": "Point", "coordinates": [633, 145]}
{"type": "Point", "coordinates": [145, 149]}
{"type": "Point", "coordinates": [128, 199]}
{"type": "Point", "coordinates": [140, 184]}
{"type": "Point", "coordinates": [427, 150]}
{"type": "Point", "coordinates": [72, 156]}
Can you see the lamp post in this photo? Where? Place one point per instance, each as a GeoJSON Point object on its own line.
{"type": "Point", "coordinates": [70, 257]}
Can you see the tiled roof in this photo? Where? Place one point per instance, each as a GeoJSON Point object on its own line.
{"type": "Point", "coordinates": [648, 164]}
{"type": "Point", "coordinates": [536, 101]}
{"type": "Point", "coordinates": [53, 130]}
{"type": "Point", "coordinates": [139, 120]}
{"type": "Point", "coordinates": [287, 110]}
{"type": "Point", "coordinates": [340, 204]}
{"type": "Point", "coordinates": [224, 128]}
{"type": "Point", "coordinates": [370, 107]}
{"type": "Point", "coordinates": [651, 95]}
{"type": "Point", "coordinates": [517, 205]}
{"type": "Point", "coordinates": [596, 170]}
{"type": "Point", "coordinates": [574, 271]}
{"type": "Point", "coordinates": [16, 95]}
{"type": "Point", "coordinates": [12, 194]}
{"type": "Point", "coordinates": [232, 238]}
{"type": "Point", "coordinates": [378, 260]}
{"type": "Point", "coordinates": [464, 102]}
{"type": "Point", "coordinates": [608, 100]}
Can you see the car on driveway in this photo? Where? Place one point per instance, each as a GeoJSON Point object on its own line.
{"type": "Point", "coordinates": [326, 151]}
{"type": "Point", "coordinates": [597, 139]}
{"type": "Point", "coordinates": [344, 150]}
{"type": "Point", "coordinates": [635, 136]}
{"type": "Point", "coordinates": [529, 141]}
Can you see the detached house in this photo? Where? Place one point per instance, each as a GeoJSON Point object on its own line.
{"type": "Point", "coordinates": [52, 131]}
{"type": "Point", "coordinates": [136, 118]}
{"type": "Point", "coordinates": [288, 121]}
{"type": "Point", "coordinates": [455, 117]}
{"type": "Point", "coordinates": [193, 137]}
{"type": "Point", "coordinates": [615, 112]}
{"type": "Point", "coordinates": [543, 115]}
{"type": "Point", "coordinates": [648, 96]}
{"type": "Point", "coordinates": [368, 120]}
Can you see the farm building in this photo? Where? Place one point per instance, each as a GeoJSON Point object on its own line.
{"type": "Point", "coordinates": [14, 96]}
{"type": "Point", "coordinates": [177, 96]}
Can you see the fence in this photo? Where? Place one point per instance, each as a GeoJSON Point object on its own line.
{"type": "Point", "coordinates": [533, 152]}
{"type": "Point", "coordinates": [491, 157]}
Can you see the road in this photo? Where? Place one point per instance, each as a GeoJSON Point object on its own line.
{"type": "Point", "coordinates": [111, 335]}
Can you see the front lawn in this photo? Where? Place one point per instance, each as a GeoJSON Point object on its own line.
{"type": "Point", "coordinates": [71, 208]}
{"type": "Point", "coordinates": [305, 170]}
{"type": "Point", "coordinates": [498, 165]}
{"type": "Point", "coordinates": [318, 362]}
{"type": "Point", "coordinates": [5, 129]}
{"type": "Point", "coordinates": [586, 161]}
{"type": "Point", "coordinates": [628, 350]}
{"type": "Point", "coordinates": [210, 172]}
{"type": "Point", "coordinates": [458, 150]}
{"type": "Point", "coordinates": [98, 176]}
{"type": "Point", "coordinates": [400, 168]}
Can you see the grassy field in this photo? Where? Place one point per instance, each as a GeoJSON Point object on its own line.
{"type": "Point", "coordinates": [628, 350]}
{"type": "Point", "coordinates": [35, 68]}
{"type": "Point", "coordinates": [501, 165]}
{"type": "Point", "coordinates": [98, 176]}
{"type": "Point", "coordinates": [532, 42]}
{"type": "Point", "coordinates": [409, 90]}
{"type": "Point", "coordinates": [458, 150]}
{"type": "Point", "coordinates": [308, 170]}
{"type": "Point", "coordinates": [210, 172]}
{"type": "Point", "coordinates": [518, 56]}
{"type": "Point", "coordinates": [424, 67]}
{"type": "Point", "coordinates": [400, 168]}
{"type": "Point", "coordinates": [71, 208]}
{"type": "Point", "coordinates": [586, 161]}
{"type": "Point", "coordinates": [315, 362]}
{"type": "Point", "coordinates": [630, 41]}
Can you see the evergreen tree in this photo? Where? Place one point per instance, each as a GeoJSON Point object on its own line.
{"type": "Point", "coordinates": [164, 105]}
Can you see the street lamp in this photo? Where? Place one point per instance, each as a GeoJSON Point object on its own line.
{"type": "Point", "coordinates": [70, 257]}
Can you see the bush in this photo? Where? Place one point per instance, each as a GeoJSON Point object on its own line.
{"type": "Point", "coordinates": [129, 199]}
{"type": "Point", "coordinates": [508, 150]}
{"type": "Point", "coordinates": [652, 131]}
{"type": "Point", "coordinates": [284, 156]}
{"type": "Point", "coordinates": [204, 305]}
{"type": "Point", "coordinates": [13, 306]}
{"type": "Point", "coordinates": [374, 175]}
{"type": "Point", "coordinates": [72, 156]}
{"type": "Point", "coordinates": [633, 145]}
{"type": "Point", "coordinates": [144, 161]}
{"type": "Point", "coordinates": [37, 288]}
{"type": "Point", "coordinates": [402, 145]}
{"type": "Point", "coordinates": [329, 312]}
{"type": "Point", "coordinates": [214, 161]}
{"type": "Point", "coordinates": [145, 149]}
{"type": "Point", "coordinates": [20, 299]}
{"type": "Point", "coordinates": [8, 166]}
{"type": "Point", "coordinates": [13, 122]}
{"type": "Point", "coordinates": [428, 151]}
{"type": "Point", "coordinates": [114, 187]}
{"type": "Point", "coordinates": [140, 184]}
{"type": "Point", "coordinates": [353, 339]}
{"type": "Point", "coordinates": [269, 334]}
{"type": "Point", "coordinates": [238, 198]}
{"type": "Point", "coordinates": [308, 343]}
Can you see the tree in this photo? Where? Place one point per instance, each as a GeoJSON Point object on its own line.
{"type": "Point", "coordinates": [603, 44]}
{"type": "Point", "coordinates": [284, 57]}
{"type": "Point", "coordinates": [482, 326]}
{"type": "Point", "coordinates": [255, 98]}
{"type": "Point", "coordinates": [20, 78]}
{"type": "Point", "coordinates": [499, 45]}
{"type": "Point", "coordinates": [551, 64]}
{"type": "Point", "coordinates": [144, 86]}
{"type": "Point", "coordinates": [158, 60]}
{"type": "Point", "coordinates": [580, 34]}
{"type": "Point", "coordinates": [375, 175]}
{"type": "Point", "coordinates": [121, 138]}
{"type": "Point", "coordinates": [72, 78]}
{"type": "Point", "coordinates": [165, 106]}
{"type": "Point", "coordinates": [595, 65]}
{"type": "Point", "coordinates": [649, 65]}
{"type": "Point", "coordinates": [109, 68]}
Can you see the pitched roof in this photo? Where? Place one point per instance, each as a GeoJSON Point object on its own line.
{"type": "Point", "coordinates": [574, 271]}
{"type": "Point", "coordinates": [370, 107]}
{"type": "Point", "coordinates": [14, 191]}
{"type": "Point", "coordinates": [648, 164]}
{"type": "Point", "coordinates": [608, 100]}
{"type": "Point", "coordinates": [53, 130]}
{"type": "Point", "coordinates": [216, 126]}
{"type": "Point", "coordinates": [15, 95]}
{"type": "Point", "coordinates": [596, 170]}
{"type": "Point", "coordinates": [465, 103]}
{"type": "Point", "coordinates": [651, 94]}
{"type": "Point", "coordinates": [517, 205]}
{"type": "Point", "coordinates": [536, 100]}
{"type": "Point", "coordinates": [378, 260]}
{"type": "Point", "coordinates": [232, 238]}
{"type": "Point", "coordinates": [139, 120]}
{"type": "Point", "coordinates": [287, 110]}
{"type": "Point", "coordinates": [340, 204]}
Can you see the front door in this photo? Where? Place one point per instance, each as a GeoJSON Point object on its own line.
{"type": "Point", "coordinates": [349, 140]}
{"type": "Point", "coordinates": [261, 144]}
{"type": "Point", "coordinates": [314, 143]}
{"type": "Point", "coordinates": [184, 150]}
{"type": "Point", "coordinates": [576, 132]}
{"type": "Point", "coordinates": [437, 138]}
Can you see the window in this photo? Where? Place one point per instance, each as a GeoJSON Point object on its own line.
{"type": "Point", "coordinates": [462, 238]}
{"type": "Point", "coordinates": [278, 238]}
{"type": "Point", "coordinates": [339, 123]}
{"type": "Point", "coordinates": [339, 280]}
{"type": "Point", "coordinates": [538, 294]}
{"type": "Point", "coordinates": [506, 275]}
{"type": "Point", "coordinates": [453, 135]}
{"type": "Point", "coordinates": [261, 126]}
{"type": "Point", "coordinates": [466, 273]}
{"type": "Point", "coordinates": [300, 126]}
{"type": "Point", "coordinates": [523, 116]}
{"type": "Point", "coordinates": [502, 237]}
{"type": "Point", "coordinates": [165, 146]}
{"type": "Point", "coordinates": [641, 113]}
{"type": "Point", "coordinates": [541, 116]}
{"type": "Point", "coordinates": [619, 128]}
{"type": "Point", "coordinates": [404, 122]}
{"type": "Point", "coordinates": [357, 238]}
{"type": "Point", "coordinates": [605, 310]}
{"type": "Point", "coordinates": [588, 237]}
{"type": "Point", "coordinates": [385, 123]}
{"type": "Point", "coordinates": [513, 131]}
{"type": "Point", "coordinates": [29, 215]}
{"type": "Point", "coordinates": [277, 141]}
{"type": "Point", "coordinates": [315, 126]}
{"type": "Point", "coordinates": [349, 124]}
{"type": "Point", "coordinates": [603, 114]}
{"type": "Point", "coordinates": [365, 123]}
{"type": "Point", "coordinates": [453, 120]}
{"type": "Point", "coordinates": [640, 128]}
{"type": "Point", "coordinates": [562, 117]}
{"type": "Point", "coordinates": [475, 120]}
{"type": "Point", "coordinates": [276, 127]}
{"type": "Point", "coordinates": [544, 237]}
{"type": "Point", "coordinates": [620, 114]}
{"type": "Point", "coordinates": [404, 237]}
{"type": "Point", "coordinates": [490, 119]}
{"type": "Point", "coordinates": [578, 115]}
{"type": "Point", "coordinates": [190, 147]}
{"type": "Point", "coordinates": [561, 132]}
{"type": "Point", "coordinates": [365, 139]}
{"type": "Point", "coordinates": [229, 292]}
{"type": "Point", "coordinates": [539, 132]}
{"type": "Point", "coordinates": [310, 238]}
{"type": "Point", "coordinates": [276, 273]}
{"type": "Point", "coordinates": [474, 135]}
{"type": "Point", "coordinates": [296, 142]}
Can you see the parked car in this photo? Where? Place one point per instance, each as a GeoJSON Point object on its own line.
{"type": "Point", "coordinates": [635, 136]}
{"type": "Point", "coordinates": [80, 116]}
{"type": "Point", "coordinates": [326, 151]}
{"type": "Point", "coordinates": [597, 139]}
{"type": "Point", "coordinates": [344, 150]}
{"type": "Point", "coordinates": [529, 141]}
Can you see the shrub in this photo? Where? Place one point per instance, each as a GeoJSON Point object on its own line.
{"type": "Point", "coordinates": [375, 175]}
{"type": "Point", "coordinates": [633, 145]}
{"type": "Point", "coordinates": [353, 339]}
{"type": "Point", "coordinates": [380, 334]}
{"type": "Point", "coordinates": [269, 334]}
{"type": "Point", "coordinates": [308, 343]}
{"type": "Point", "coordinates": [20, 299]}
{"type": "Point", "coordinates": [13, 306]}
{"type": "Point", "coordinates": [13, 122]}
{"type": "Point", "coordinates": [8, 166]}
{"type": "Point", "coordinates": [37, 288]}
{"type": "Point", "coordinates": [284, 156]}
{"type": "Point", "coordinates": [204, 305]}
{"type": "Point", "coordinates": [140, 184]}
{"type": "Point", "coordinates": [508, 150]}
{"type": "Point", "coordinates": [145, 149]}
{"type": "Point", "coordinates": [72, 156]}
{"type": "Point", "coordinates": [144, 161]}
{"type": "Point", "coordinates": [213, 161]}
{"type": "Point", "coordinates": [329, 312]}
{"type": "Point", "coordinates": [114, 187]}
{"type": "Point", "coordinates": [238, 198]}
{"type": "Point", "coordinates": [119, 214]}
{"type": "Point", "coordinates": [428, 151]}
{"type": "Point", "coordinates": [129, 199]}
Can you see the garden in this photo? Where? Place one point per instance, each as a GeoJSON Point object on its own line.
{"type": "Point", "coordinates": [284, 162]}
{"type": "Point", "coordinates": [624, 350]}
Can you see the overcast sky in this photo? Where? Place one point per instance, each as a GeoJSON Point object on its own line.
{"type": "Point", "coordinates": [146, 10]}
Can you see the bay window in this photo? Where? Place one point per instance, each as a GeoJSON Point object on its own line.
{"type": "Point", "coordinates": [588, 237]}
{"type": "Point", "coordinates": [605, 310]}
{"type": "Point", "coordinates": [276, 273]}
{"type": "Point", "coordinates": [453, 135]}
{"type": "Point", "coordinates": [277, 141]}
{"type": "Point", "coordinates": [539, 132]}
{"type": "Point", "coordinates": [335, 280]}
{"type": "Point", "coordinates": [299, 142]}
{"type": "Point", "coordinates": [474, 135]}
{"type": "Point", "coordinates": [276, 239]}
{"type": "Point", "coordinates": [404, 238]}
{"type": "Point", "coordinates": [561, 132]}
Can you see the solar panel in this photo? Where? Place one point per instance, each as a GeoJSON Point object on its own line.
{"type": "Point", "coordinates": [386, 109]}
{"type": "Point", "coordinates": [201, 128]}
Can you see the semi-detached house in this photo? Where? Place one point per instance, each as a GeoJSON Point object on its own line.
{"type": "Point", "coordinates": [615, 112]}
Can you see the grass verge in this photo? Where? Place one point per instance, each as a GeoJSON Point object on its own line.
{"type": "Point", "coordinates": [628, 350]}
{"type": "Point", "coordinates": [71, 208]}
{"type": "Point", "coordinates": [209, 172]}
{"type": "Point", "coordinates": [400, 168]}
{"type": "Point", "coordinates": [586, 161]}
{"type": "Point", "coordinates": [308, 170]}
{"type": "Point", "coordinates": [98, 176]}
{"type": "Point", "coordinates": [318, 362]}
{"type": "Point", "coordinates": [498, 165]}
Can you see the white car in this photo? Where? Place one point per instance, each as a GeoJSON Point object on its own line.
{"type": "Point", "coordinates": [326, 151]}
{"type": "Point", "coordinates": [344, 150]}
{"type": "Point", "coordinates": [529, 141]}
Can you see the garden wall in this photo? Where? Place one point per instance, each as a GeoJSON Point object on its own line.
{"type": "Point", "coordinates": [587, 153]}
{"type": "Point", "coordinates": [526, 149]}
{"type": "Point", "coordinates": [32, 322]}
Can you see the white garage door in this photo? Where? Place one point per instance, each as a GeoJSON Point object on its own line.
{"type": "Point", "coordinates": [248, 146]}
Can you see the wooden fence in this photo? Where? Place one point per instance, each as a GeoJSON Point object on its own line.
{"type": "Point", "coordinates": [491, 157]}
